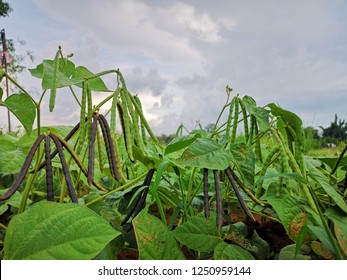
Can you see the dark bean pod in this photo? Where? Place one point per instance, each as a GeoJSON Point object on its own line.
{"type": "Point", "coordinates": [219, 206]}
{"type": "Point", "coordinates": [141, 203]}
{"type": "Point", "coordinates": [49, 169]}
{"type": "Point", "coordinates": [24, 169]}
{"type": "Point", "coordinates": [132, 207]}
{"type": "Point", "coordinates": [109, 146]}
{"type": "Point", "coordinates": [230, 176]}
{"type": "Point", "coordinates": [78, 162]}
{"type": "Point", "coordinates": [206, 198]}
{"type": "Point", "coordinates": [128, 116]}
{"type": "Point", "coordinates": [67, 138]}
{"type": "Point", "coordinates": [125, 128]}
{"type": "Point", "coordinates": [140, 200]}
{"type": "Point", "coordinates": [65, 168]}
{"type": "Point", "coordinates": [91, 158]}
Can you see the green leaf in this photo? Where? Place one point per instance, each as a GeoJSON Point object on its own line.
{"type": "Point", "coordinates": [180, 143]}
{"type": "Point", "coordinates": [322, 235]}
{"type": "Point", "coordinates": [13, 201]}
{"type": "Point", "coordinates": [245, 160]}
{"type": "Point", "coordinates": [340, 226]}
{"type": "Point", "coordinates": [22, 106]}
{"type": "Point", "coordinates": [154, 240]}
{"type": "Point", "coordinates": [95, 84]}
{"type": "Point", "coordinates": [37, 72]}
{"type": "Point", "coordinates": [205, 153]}
{"type": "Point", "coordinates": [198, 233]}
{"type": "Point", "coordinates": [55, 75]}
{"type": "Point", "coordinates": [66, 67]}
{"type": "Point", "coordinates": [291, 212]}
{"type": "Point", "coordinates": [293, 176]}
{"type": "Point", "coordinates": [225, 251]}
{"type": "Point", "coordinates": [330, 161]}
{"type": "Point", "coordinates": [261, 115]}
{"type": "Point", "coordinates": [11, 158]}
{"type": "Point", "coordinates": [338, 217]}
{"type": "Point", "coordinates": [289, 253]}
{"type": "Point", "coordinates": [321, 251]}
{"type": "Point", "coordinates": [323, 181]}
{"type": "Point", "coordinates": [289, 119]}
{"type": "Point", "coordinates": [49, 230]}
{"type": "Point", "coordinates": [263, 248]}
{"type": "Point", "coordinates": [52, 80]}
{"type": "Point", "coordinates": [2, 73]}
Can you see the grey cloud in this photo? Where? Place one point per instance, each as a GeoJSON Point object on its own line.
{"type": "Point", "coordinates": [139, 79]}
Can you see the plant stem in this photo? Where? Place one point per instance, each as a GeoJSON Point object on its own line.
{"type": "Point", "coordinates": [125, 186]}
{"type": "Point", "coordinates": [3, 226]}
{"type": "Point", "coordinates": [190, 186]}
{"type": "Point", "coordinates": [30, 182]}
{"type": "Point", "coordinates": [303, 186]}
{"type": "Point", "coordinates": [75, 96]}
{"type": "Point", "coordinates": [97, 107]}
{"type": "Point", "coordinates": [18, 86]}
{"type": "Point", "coordinates": [325, 225]}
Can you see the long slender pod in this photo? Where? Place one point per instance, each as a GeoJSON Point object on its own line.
{"type": "Point", "coordinates": [143, 119]}
{"type": "Point", "coordinates": [235, 121]}
{"type": "Point", "coordinates": [121, 119]}
{"type": "Point", "coordinates": [270, 158]}
{"type": "Point", "coordinates": [89, 109]}
{"type": "Point", "coordinates": [295, 167]}
{"type": "Point", "coordinates": [252, 123]}
{"type": "Point", "coordinates": [127, 123]}
{"type": "Point", "coordinates": [121, 176]}
{"type": "Point", "coordinates": [140, 199]}
{"type": "Point", "coordinates": [238, 194]}
{"type": "Point", "coordinates": [206, 198]}
{"type": "Point", "coordinates": [82, 133]}
{"type": "Point", "coordinates": [286, 168]}
{"type": "Point", "coordinates": [299, 153]}
{"type": "Point", "coordinates": [49, 169]}
{"type": "Point", "coordinates": [55, 152]}
{"type": "Point", "coordinates": [245, 189]}
{"type": "Point", "coordinates": [257, 144]}
{"type": "Point", "coordinates": [114, 111]}
{"type": "Point", "coordinates": [138, 139]}
{"type": "Point", "coordinates": [282, 144]}
{"type": "Point", "coordinates": [91, 152]}
{"type": "Point", "coordinates": [65, 168]}
{"type": "Point", "coordinates": [132, 207]}
{"type": "Point", "coordinates": [111, 155]}
{"type": "Point", "coordinates": [53, 92]}
{"type": "Point", "coordinates": [78, 161]}
{"type": "Point", "coordinates": [24, 169]}
{"type": "Point", "coordinates": [98, 142]}
{"type": "Point", "coordinates": [219, 205]}
{"type": "Point", "coordinates": [230, 117]}
{"type": "Point", "coordinates": [143, 129]}
{"type": "Point", "coordinates": [245, 120]}
{"type": "Point", "coordinates": [141, 203]}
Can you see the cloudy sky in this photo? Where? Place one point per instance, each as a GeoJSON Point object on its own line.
{"type": "Point", "coordinates": [178, 56]}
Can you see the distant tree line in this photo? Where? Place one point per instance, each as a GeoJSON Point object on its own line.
{"type": "Point", "coordinates": [330, 136]}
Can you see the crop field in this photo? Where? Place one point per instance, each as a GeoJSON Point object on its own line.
{"type": "Point", "coordinates": [107, 188]}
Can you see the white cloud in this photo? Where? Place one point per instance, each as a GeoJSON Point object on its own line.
{"type": "Point", "coordinates": [127, 27]}
{"type": "Point", "coordinates": [183, 20]}
{"type": "Point", "coordinates": [179, 55]}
